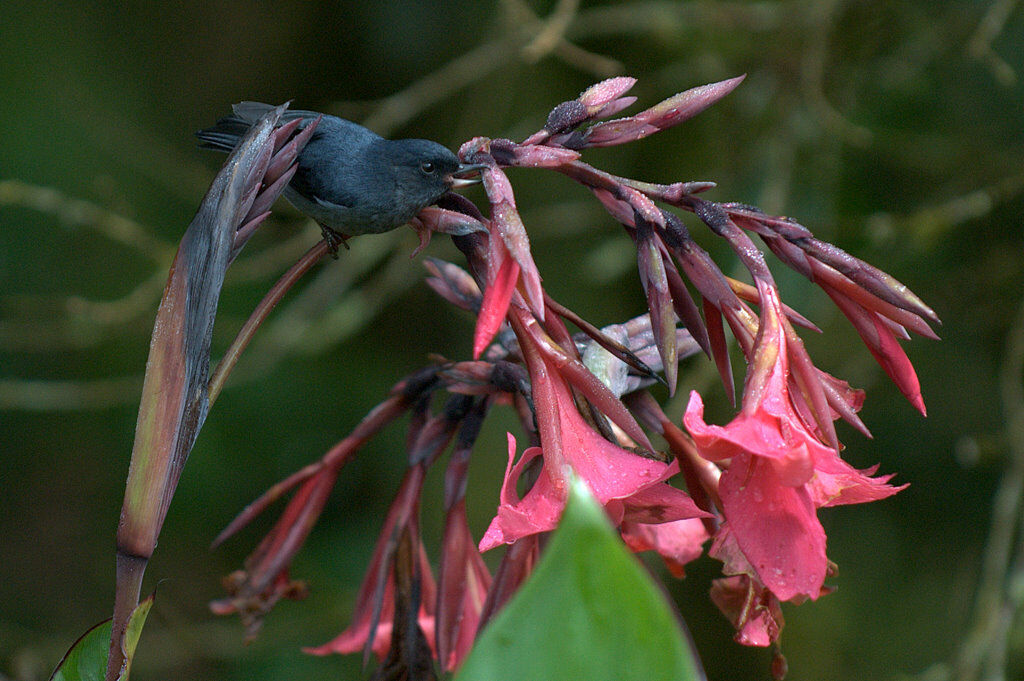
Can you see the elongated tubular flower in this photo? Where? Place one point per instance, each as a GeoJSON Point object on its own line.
{"type": "Point", "coordinates": [375, 605]}
{"type": "Point", "coordinates": [506, 225]}
{"type": "Point", "coordinates": [463, 578]}
{"type": "Point", "coordinates": [254, 591]}
{"type": "Point", "coordinates": [877, 321]}
{"type": "Point", "coordinates": [880, 308]}
{"type": "Point", "coordinates": [804, 374]}
{"type": "Point", "coordinates": [655, 281]}
{"type": "Point", "coordinates": [621, 481]}
{"type": "Point", "coordinates": [769, 492]}
{"type": "Point", "coordinates": [665, 114]}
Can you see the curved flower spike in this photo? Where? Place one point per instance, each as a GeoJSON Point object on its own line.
{"type": "Point", "coordinates": [666, 114]}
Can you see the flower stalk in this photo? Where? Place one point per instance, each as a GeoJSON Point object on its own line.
{"type": "Point", "coordinates": [751, 487]}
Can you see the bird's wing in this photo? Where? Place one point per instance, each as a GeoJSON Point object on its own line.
{"type": "Point", "coordinates": [330, 205]}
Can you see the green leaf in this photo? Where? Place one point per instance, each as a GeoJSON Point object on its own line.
{"type": "Point", "coordinates": [87, 658]}
{"type": "Point", "coordinates": [590, 611]}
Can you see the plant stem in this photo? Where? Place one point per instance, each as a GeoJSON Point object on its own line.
{"type": "Point", "coordinates": [273, 297]}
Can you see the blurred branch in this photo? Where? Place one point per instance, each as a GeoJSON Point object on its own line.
{"type": "Point", "coordinates": [815, 59]}
{"type": "Point", "coordinates": [75, 213]}
{"type": "Point", "coordinates": [550, 39]}
{"type": "Point", "coordinates": [396, 110]}
{"type": "Point", "coordinates": [532, 38]}
{"type": "Point", "coordinates": [1000, 596]}
{"type": "Point", "coordinates": [259, 315]}
{"type": "Point", "coordinates": [980, 45]}
{"type": "Point", "coordinates": [53, 324]}
{"type": "Point", "coordinates": [672, 17]}
{"type": "Point", "coordinates": [931, 223]}
{"type": "Point", "coordinates": [298, 323]}
{"type": "Point", "coordinates": [553, 31]}
{"type": "Point", "coordinates": [68, 395]}
{"type": "Point", "coordinates": [78, 322]}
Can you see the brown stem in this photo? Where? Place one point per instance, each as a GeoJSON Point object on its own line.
{"type": "Point", "coordinates": [248, 330]}
{"type": "Point", "coordinates": [130, 570]}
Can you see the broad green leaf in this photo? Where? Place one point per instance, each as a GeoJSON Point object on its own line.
{"type": "Point", "coordinates": [87, 658]}
{"type": "Point", "coordinates": [590, 611]}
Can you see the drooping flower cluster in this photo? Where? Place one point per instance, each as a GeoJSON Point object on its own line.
{"type": "Point", "coordinates": [752, 486]}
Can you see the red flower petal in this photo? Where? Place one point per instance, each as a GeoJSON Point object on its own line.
{"type": "Point", "coordinates": [495, 305]}
{"type": "Point", "coordinates": [776, 526]}
{"type": "Point", "coordinates": [753, 610]}
{"type": "Point", "coordinates": [678, 542]}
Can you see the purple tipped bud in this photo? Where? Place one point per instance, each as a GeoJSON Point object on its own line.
{"type": "Point", "coordinates": [659, 300]}
{"type": "Point", "coordinates": [666, 114]}
{"type": "Point", "coordinates": [453, 283]}
{"type": "Point", "coordinates": [449, 221]}
{"type": "Point", "coordinates": [539, 156]}
{"type": "Point", "coordinates": [602, 93]}
{"type": "Point", "coordinates": [566, 116]}
{"type": "Point", "coordinates": [615, 107]}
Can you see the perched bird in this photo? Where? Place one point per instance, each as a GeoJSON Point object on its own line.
{"type": "Point", "coordinates": [349, 179]}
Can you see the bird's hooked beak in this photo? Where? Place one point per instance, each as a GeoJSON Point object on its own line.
{"type": "Point", "coordinates": [457, 179]}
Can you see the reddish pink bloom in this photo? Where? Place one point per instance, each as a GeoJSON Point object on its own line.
{"type": "Point", "coordinates": [677, 542]}
{"type": "Point", "coordinates": [497, 296]}
{"type": "Point", "coordinates": [753, 610]}
{"type": "Point", "coordinates": [539, 511]}
{"type": "Point", "coordinates": [625, 483]}
{"type": "Point", "coordinates": [462, 591]}
{"type": "Point", "coordinates": [836, 483]}
{"type": "Point", "coordinates": [506, 225]}
{"type": "Point", "coordinates": [778, 473]}
{"type": "Point", "coordinates": [776, 526]}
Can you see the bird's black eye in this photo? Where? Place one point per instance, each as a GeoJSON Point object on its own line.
{"type": "Point", "coordinates": [428, 167]}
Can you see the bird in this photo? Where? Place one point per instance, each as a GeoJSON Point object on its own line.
{"type": "Point", "coordinates": [350, 180]}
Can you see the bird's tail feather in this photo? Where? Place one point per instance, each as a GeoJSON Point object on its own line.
{"type": "Point", "coordinates": [225, 135]}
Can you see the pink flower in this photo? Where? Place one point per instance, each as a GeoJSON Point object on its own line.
{"type": "Point", "coordinates": [465, 602]}
{"type": "Point", "coordinates": [753, 610]}
{"type": "Point", "coordinates": [463, 578]}
{"type": "Point", "coordinates": [626, 484]}
{"type": "Point", "coordinates": [778, 472]}
{"type": "Point", "coordinates": [677, 542]}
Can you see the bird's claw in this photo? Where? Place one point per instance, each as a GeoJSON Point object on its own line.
{"type": "Point", "coordinates": [333, 239]}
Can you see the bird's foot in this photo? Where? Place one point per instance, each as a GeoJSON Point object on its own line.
{"type": "Point", "coordinates": [333, 239]}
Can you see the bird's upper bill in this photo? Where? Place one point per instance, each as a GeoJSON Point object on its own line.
{"type": "Point", "coordinates": [458, 179]}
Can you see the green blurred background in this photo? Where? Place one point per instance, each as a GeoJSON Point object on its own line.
{"type": "Point", "coordinates": [893, 129]}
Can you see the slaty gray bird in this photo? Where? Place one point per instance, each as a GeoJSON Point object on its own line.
{"type": "Point", "coordinates": [349, 179]}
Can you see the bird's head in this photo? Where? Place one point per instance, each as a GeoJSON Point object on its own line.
{"type": "Point", "coordinates": [425, 170]}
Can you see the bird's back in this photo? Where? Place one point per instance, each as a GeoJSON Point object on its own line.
{"type": "Point", "coordinates": [229, 130]}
